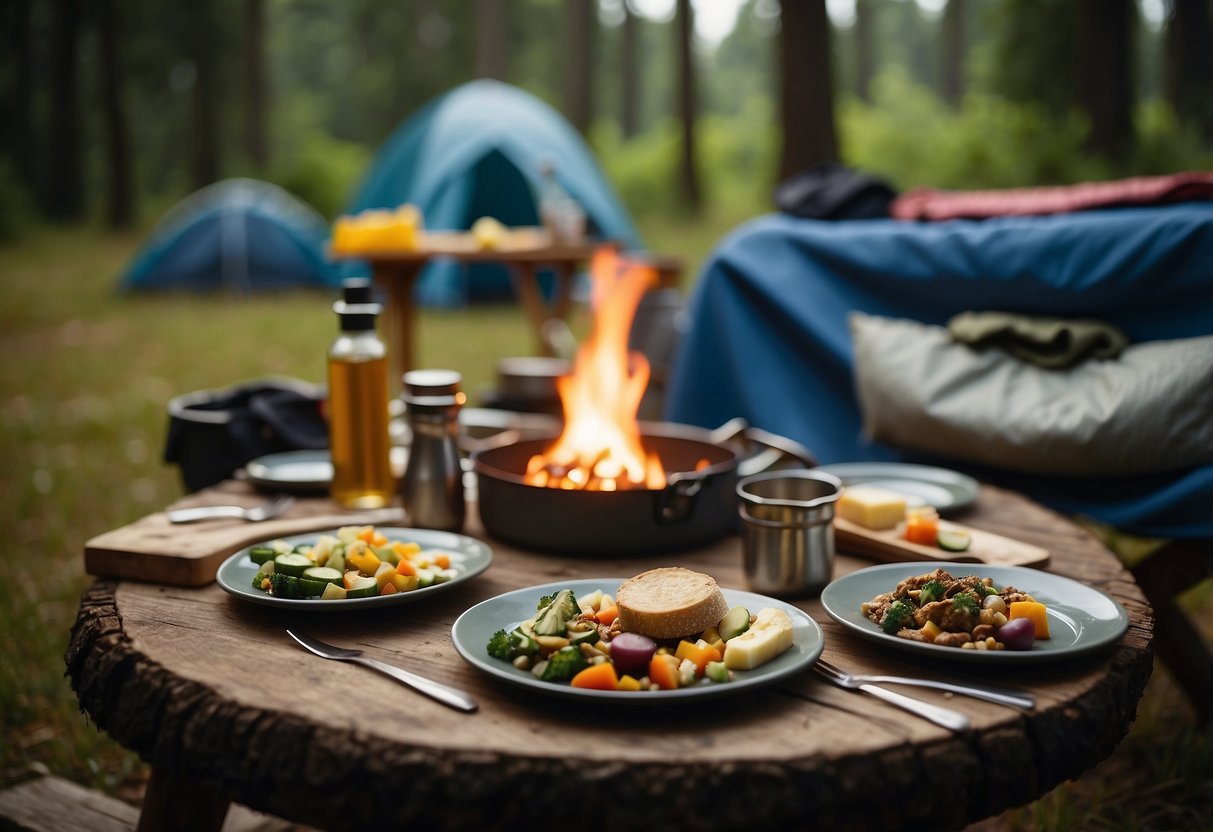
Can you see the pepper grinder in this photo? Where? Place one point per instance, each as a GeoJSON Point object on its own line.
{"type": "Point", "coordinates": [432, 486]}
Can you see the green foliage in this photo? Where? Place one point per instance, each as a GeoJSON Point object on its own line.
{"type": "Point", "coordinates": [323, 171]}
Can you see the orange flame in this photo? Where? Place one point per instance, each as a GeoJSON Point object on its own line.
{"type": "Point", "coordinates": [599, 448]}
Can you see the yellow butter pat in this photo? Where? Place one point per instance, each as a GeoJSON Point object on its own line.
{"type": "Point", "coordinates": [871, 507]}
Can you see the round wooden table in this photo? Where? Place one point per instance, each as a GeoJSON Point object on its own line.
{"type": "Point", "coordinates": [211, 691]}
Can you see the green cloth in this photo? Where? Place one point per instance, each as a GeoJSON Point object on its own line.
{"type": "Point", "coordinates": [1052, 343]}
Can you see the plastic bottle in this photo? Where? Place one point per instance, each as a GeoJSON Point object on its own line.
{"type": "Point", "coordinates": [559, 212]}
{"type": "Point", "coordinates": [358, 409]}
{"type": "Point", "coordinates": [432, 487]}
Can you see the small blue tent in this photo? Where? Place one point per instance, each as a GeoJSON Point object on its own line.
{"type": "Point", "coordinates": [241, 235]}
{"type": "Point", "coordinates": [478, 150]}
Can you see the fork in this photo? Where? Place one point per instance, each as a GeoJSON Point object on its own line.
{"type": "Point", "coordinates": [948, 718]}
{"type": "Point", "coordinates": [1002, 696]}
{"type": "Point", "coordinates": [448, 696]}
{"type": "Point", "coordinates": [255, 514]}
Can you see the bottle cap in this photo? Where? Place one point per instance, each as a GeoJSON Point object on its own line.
{"type": "Point", "coordinates": [357, 306]}
{"type": "Point", "coordinates": [432, 388]}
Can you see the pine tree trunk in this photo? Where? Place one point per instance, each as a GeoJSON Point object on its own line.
{"type": "Point", "coordinates": [689, 190]}
{"type": "Point", "coordinates": [806, 91]}
{"type": "Point", "coordinates": [951, 82]}
{"type": "Point", "coordinates": [121, 209]}
{"type": "Point", "coordinates": [1189, 63]}
{"type": "Point", "coordinates": [204, 42]}
{"type": "Point", "coordinates": [630, 82]}
{"type": "Point", "coordinates": [492, 57]}
{"type": "Point", "coordinates": [865, 59]}
{"type": "Point", "coordinates": [1104, 69]}
{"type": "Point", "coordinates": [63, 196]}
{"type": "Point", "coordinates": [255, 139]}
{"type": "Point", "coordinates": [578, 65]}
{"type": "Point", "coordinates": [17, 114]}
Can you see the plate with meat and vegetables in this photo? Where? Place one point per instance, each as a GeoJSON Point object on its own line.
{"type": "Point", "coordinates": [975, 612]}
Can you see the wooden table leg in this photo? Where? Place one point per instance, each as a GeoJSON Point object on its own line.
{"type": "Point", "coordinates": [398, 279]}
{"type": "Point", "coordinates": [174, 802]}
{"type": "Point", "coordinates": [526, 287]}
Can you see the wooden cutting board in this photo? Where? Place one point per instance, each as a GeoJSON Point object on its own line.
{"type": "Point", "coordinates": [889, 545]}
{"type": "Point", "coordinates": [153, 549]}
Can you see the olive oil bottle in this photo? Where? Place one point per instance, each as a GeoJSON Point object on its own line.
{"type": "Point", "coordinates": [358, 403]}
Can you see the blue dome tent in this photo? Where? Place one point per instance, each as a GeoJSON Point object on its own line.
{"type": "Point", "coordinates": [478, 150]}
{"type": "Point", "coordinates": [242, 235]}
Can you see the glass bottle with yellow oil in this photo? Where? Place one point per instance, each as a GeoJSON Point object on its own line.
{"type": "Point", "coordinates": [358, 403]}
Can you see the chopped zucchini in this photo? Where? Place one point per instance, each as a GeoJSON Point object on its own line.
{"type": "Point", "coordinates": [292, 564]}
{"type": "Point", "coordinates": [261, 554]}
{"type": "Point", "coordinates": [954, 540]}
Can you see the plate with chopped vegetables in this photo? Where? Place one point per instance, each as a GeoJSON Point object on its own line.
{"type": "Point", "coordinates": [564, 639]}
{"type": "Point", "coordinates": [352, 567]}
{"type": "Point", "coordinates": [975, 612]}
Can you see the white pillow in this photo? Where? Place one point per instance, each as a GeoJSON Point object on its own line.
{"type": "Point", "coordinates": [1147, 411]}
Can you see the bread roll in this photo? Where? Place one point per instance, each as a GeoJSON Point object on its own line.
{"type": "Point", "coordinates": [669, 602]}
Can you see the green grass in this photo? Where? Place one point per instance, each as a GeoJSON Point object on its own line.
{"type": "Point", "coordinates": [83, 387]}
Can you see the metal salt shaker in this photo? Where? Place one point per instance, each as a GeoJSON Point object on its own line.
{"type": "Point", "coordinates": [432, 487]}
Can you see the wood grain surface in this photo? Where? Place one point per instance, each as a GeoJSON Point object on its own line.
{"type": "Point", "coordinates": [207, 687]}
{"type": "Point", "coordinates": [889, 545]}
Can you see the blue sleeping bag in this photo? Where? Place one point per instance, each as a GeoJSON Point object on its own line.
{"type": "Point", "coordinates": [768, 337]}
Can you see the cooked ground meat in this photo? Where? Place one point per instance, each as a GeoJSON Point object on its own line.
{"type": "Point", "coordinates": [917, 582]}
{"type": "Point", "coordinates": [951, 639]}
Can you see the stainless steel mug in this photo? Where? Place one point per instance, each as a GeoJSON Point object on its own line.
{"type": "Point", "coordinates": [788, 529]}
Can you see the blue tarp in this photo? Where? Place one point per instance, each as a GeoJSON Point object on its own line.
{"type": "Point", "coordinates": [769, 339]}
{"type": "Point", "coordinates": [478, 150]}
{"type": "Point", "coordinates": [239, 235]}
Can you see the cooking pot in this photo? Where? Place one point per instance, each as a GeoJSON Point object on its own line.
{"type": "Point", "coordinates": [694, 508]}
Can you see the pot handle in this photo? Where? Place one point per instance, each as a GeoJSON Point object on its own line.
{"type": "Point", "coordinates": [776, 449]}
{"type": "Point", "coordinates": [676, 500]}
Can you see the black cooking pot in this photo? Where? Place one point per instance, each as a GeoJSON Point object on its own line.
{"type": "Point", "coordinates": [695, 507]}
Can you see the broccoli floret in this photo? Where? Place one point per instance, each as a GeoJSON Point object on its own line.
{"type": "Point", "coordinates": [899, 614]}
{"type": "Point", "coordinates": [931, 591]}
{"type": "Point", "coordinates": [564, 664]}
{"type": "Point", "coordinates": [285, 586]}
{"type": "Point", "coordinates": [967, 602]}
{"type": "Point", "coordinates": [500, 647]}
{"type": "Point", "coordinates": [545, 601]}
{"type": "Point", "coordinates": [552, 619]}
{"type": "Point", "coordinates": [522, 644]}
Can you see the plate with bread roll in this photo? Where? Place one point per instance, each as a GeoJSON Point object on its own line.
{"type": "Point", "coordinates": [665, 634]}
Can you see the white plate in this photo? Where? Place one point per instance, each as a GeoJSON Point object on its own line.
{"type": "Point", "coordinates": [944, 489]}
{"type": "Point", "coordinates": [1081, 619]}
{"type": "Point", "coordinates": [473, 629]}
{"type": "Point", "coordinates": [469, 557]}
{"type": "Point", "coordinates": [308, 471]}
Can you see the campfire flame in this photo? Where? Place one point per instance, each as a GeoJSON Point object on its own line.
{"type": "Point", "coordinates": [599, 448]}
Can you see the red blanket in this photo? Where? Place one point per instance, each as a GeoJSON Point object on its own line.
{"type": "Point", "coordinates": [932, 204]}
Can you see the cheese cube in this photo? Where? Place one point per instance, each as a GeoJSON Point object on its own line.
{"type": "Point", "coordinates": [871, 507]}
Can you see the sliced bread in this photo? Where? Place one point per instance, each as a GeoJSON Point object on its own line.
{"type": "Point", "coordinates": [669, 602]}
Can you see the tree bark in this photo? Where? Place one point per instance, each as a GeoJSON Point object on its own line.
{"type": "Point", "coordinates": [951, 82]}
{"type": "Point", "coordinates": [1188, 78]}
{"type": "Point", "coordinates": [255, 140]}
{"type": "Point", "coordinates": [64, 192]}
{"type": "Point", "coordinates": [689, 189]}
{"type": "Point", "coordinates": [121, 209]}
{"type": "Point", "coordinates": [1104, 69]}
{"type": "Point", "coordinates": [579, 58]}
{"type": "Point", "coordinates": [17, 114]}
{"type": "Point", "coordinates": [629, 118]}
{"type": "Point", "coordinates": [492, 57]}
{"type": "Point", "coordinates": [203, 43]}
{"type": "Point", "coordinates": [806, 93]}
{"type": "Point", "coordinates": [865, 61]}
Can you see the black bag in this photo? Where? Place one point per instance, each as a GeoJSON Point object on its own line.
{"type": "Point", "coordinates": [214, 433]}
{"type": "Point", "coordinates": [831, 191]}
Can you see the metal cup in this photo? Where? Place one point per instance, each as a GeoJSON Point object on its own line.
{"type": "Point", "coordinates": [788, 530]}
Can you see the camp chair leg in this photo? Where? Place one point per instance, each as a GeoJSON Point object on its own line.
{"type": "Point", "coordinates": [1178, 566]}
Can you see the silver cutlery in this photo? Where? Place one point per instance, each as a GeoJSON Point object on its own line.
{"type": "Point", "coordinates": [1001, 696]}
{"type": "Point", "coordinates": [256, 514]}
{"type": "Point", "coordinates": [449, 696]}
{"type": "Point", "coordinates": [948, 718]}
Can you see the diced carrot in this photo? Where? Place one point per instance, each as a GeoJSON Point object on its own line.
{"type": "Point", "coordinates": [922, 526]}
{"type": "Point", "coordinates": [699, 655]}
{"type": "Point", "coordinates": [663, 671]}
{"type": "Point", "coordinates": [388, 588]}
{"type": "Point", "coordinates": [597, 677]}
{"type": "Point", "coordinates": [1036, 611]}
{"type": "Point", "coordinates": [367, 534]}
{"type": "Point", "coordinates": [607, 615]}
{"type": "Point", "coordinates": [405, 567]}
{"type": "Point", "coordinates": [378, 539]}
{"type": "Point", "coordinates": [442, 560]}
